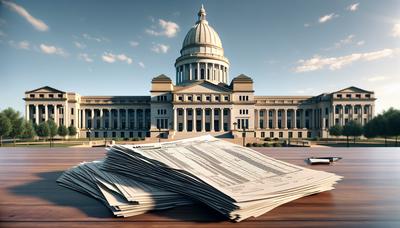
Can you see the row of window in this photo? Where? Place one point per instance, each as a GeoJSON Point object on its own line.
{"type": "Point", "coordinates": [348, 108]}
{"type": "Point", "coordinates": [59, 95]}
{"type": "Point", "coordinates": [162, 124]}
{"type": "Point", "coordinates": [290, 134]}
{"type": "Point", "coordinates": [198, 112]}
{"type": "Point", "coordinates": [243, 98]}
{"type": "Point", "coordinates": [350, 96]}
{"type": "Point", "coordinates": [162, 111]}
{"type": "Point", "coordinates": [199, 98]}
{"type": "Point", "coordinates": [162, 98]}
{"type": "Point", "coordinates": [243, 111]}
{"type": "Point", "coordinates": [115, 135]}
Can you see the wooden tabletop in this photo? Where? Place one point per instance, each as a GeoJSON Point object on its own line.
{"type": "Point", "coordinates": [369, 195]}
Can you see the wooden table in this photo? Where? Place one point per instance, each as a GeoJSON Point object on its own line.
{"type": "Point", "coordinates": [369, 195]}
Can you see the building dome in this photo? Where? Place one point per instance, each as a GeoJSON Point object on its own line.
{"type": "Point", "coordinates": [202, 56]}
{"type": "Point", "coordinates": [202, 34]}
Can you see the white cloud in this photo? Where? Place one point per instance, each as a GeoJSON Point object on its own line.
{"type": "Point", "coordinates": [80, 45]}
{"type": "Point", "coordinates": [396, 30]}
{"type": "Point", "coordinates": [335, 63]}
{"type": "Point", "coordinates": [388, 96]}
{"type": "Point", "coordinates": [85, 57]}
{"type": "Point", "coordinates": [141, 64]}
{"type": "Point", "coordinates": [111, 58]}
{"type": "Point", "coordinates": [377, 78]}
{"type": "Point", "coordinates": [327, 17]}
{"type": "Point", "coordinates": [353, 7]}
{"type": "Point", "coordinates": [36, 23]}
{"type": "Point", "coordinates": [134, 43]}
{"type": "Point", "coordinates": [160, 48]}
{"type": "Point", "coordinates": [347, 40]}
{"type": "Point", "coordinates": [166, 28]}
{"type": "Point", "coordinates": [25, 45]}
{"type": "Point", "coordinates": [52, 50]}
{"type": "Point", "coordinates": [95, 38]}
{"type": "Point", "coordinates": [306, 25]}
{"type": "Point", "coordinates": [360, 43]}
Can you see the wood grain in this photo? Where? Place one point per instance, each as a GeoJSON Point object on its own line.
{"type": "Point", "coordinates": [369, 195]}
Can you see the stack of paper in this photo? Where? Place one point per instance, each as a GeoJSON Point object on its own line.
{"type": "Point", "coordinates": [123, 195]}
{"type": "Point", "coordinates": [234, 180]}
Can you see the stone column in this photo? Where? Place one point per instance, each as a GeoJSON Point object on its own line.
{"type": "Point", "coordinates": [303, 118]}
{"type": "Point", "coordinates": [46, 113]}
{"type": "Point", "coordinates": [190, 72]}
{"type": "Point", "coordinates": [194, 119]}
{"type": "Point", "coordinates": [27, 113]}
{"type": "Point", "coordinates": [206, 72]}
{"type": "Point", "coordinates": [212, 119]}
{"type": "Point", "coordinates": [276, 118]}
{"type": "Point", "coordinates": [184, 120]}
{"type": "Point", "coordinates": [266, 118]}
{"type": "Point", "coordinates": [56, 119]}
{"type": "Point", "coordinates": [198, 71]}
{"type": "Point", "coordinates": [83, 118]}
{"type": "Point", "coordinates": [144, 118]}
{"type": "Point", "coordinates": [256, 119]}
{"type": "Point", "coordinates": [285, 116]}
{"type": "Point", "coordinates": [203, 120]}
{"type": "Point", "coordinates": [175, 120]}
{"type": "Point", "coordinates": [92, 118]}
{"type": "Point", "coordinates": [221, 120]}
{"type": "Point", "coordinates": [294, 119]}
{"type": "Point", "coordinates": [37, 114]}
{"type": "Point", "coordinates": [101, 118]}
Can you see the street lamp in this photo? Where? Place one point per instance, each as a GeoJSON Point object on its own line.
{"type": "Point", "coordinates": [159, 134]}
{"type": "Point", "coordinates": [90, 134]}
{"type": "Point", "coordinates": [244, 135]}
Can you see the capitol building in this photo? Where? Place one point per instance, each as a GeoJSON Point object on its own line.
{"type": "Point", "coordinates": [203, 100]}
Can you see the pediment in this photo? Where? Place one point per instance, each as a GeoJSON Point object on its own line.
{"type": "Point", "coordinates": [353, 89]}
{"type": "Point", "coordinates": [45, 89]}
{"type": "Point", "coordinates": [202, 87]}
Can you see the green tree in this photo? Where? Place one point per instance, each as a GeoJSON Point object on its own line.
{"type": "Point", "coordinates": [29, 130]}
{"type": "Point", "coordinates": [72, 130]}
{"type": "Point", "coordinates": [42, 130]}
{"type": "Point", "coordinates": [53, 130]}
{"type": "Point", "coordinates": [393, 123]}
{"type": "Point", "coordinates": [62, 131]}
{"type": "Point", "coordinates": [352, 128]}
{"type": "Point", "coordinates": [336, 130]}
{"type": "Point", "coordinates": [17, 123]}
{"type": "Point", "coordinates": [5, 127]}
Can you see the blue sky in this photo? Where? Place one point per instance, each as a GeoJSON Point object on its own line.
{"type": "Point", "coordinates": [116, 47]}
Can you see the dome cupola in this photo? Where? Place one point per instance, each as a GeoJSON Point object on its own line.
{"type": "Point", "coordinates": [202, 56]}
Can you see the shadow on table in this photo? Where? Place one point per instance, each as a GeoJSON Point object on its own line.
{"type": "Point", "coordinates": [47, 188]}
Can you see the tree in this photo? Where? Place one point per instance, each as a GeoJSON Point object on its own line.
{"type": "Point", "coordinates": [43, 130]}
{"type": "Point", "coordinates": [62, 131]}
{"type": "Point", "coordinates": [17, 123]}
{"type": "Point", "coordinates": [352, 128]}
{"type": "Point", "coordinates": [72, 130]}
{"type": "Point", "coordinates": [53, 130]}
{"type": "Point", "coordinates": [393, 123]}
{"type": "Point", "coordinates": [5, 127]}
{"type": "Point", "coordinates": [336, 130]}
{"type": "Point", "coordinates": [29, 130]}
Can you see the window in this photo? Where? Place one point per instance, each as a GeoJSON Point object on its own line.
{"type": "Point", "coordinates": [280, 134]}
{"type": "Point", "coordinates": [202, 73]}
{"type": "Point", "coordinates": [32, 95]}
{"type": "Point", "coordinates": [41, 95]}
{"type": "Point", "coordinates": [225, 112]}
{"type": "Point", "coordinates": [72, 111]}
{"type": "Point", "coordinates": [290, 135]}
{"type": "Point", "coordinates": [217, 98]}
{"type": "Point", "coordinates": [180, 98]}
{"type": "Point", "coordinates": [337, 110]}
{"type": "Point", "coordinates": [262, 134]}
{"type": "Point", "coordinates": [60, 95]}
{"type": "Point", "coordinates": [51, 95]}
{"type": "Point", "coordinates": [367, 95]}
{"type": "Point", "coordinates": [198, 98]}
{"type": "Point", "coordinates": [271, 134]}
{"type": "Point", "coordinates": [226, 98]}
{"type": "Point", "coordinates": [339, 96]}
{"type": "Point", "coordinates": [326, 111]}
{"type": "Point", "coordinates": [208, 98]}
{"type": "Point", "coordinates": [358, 95]}
{"type": "Point", "coordinates": [190, 98]}
{"type": "Point", "coordinates": [189, 112]}
{"type": "Point", "coordinates": [162, 98]}
{"type": "Point", "coordinates": [300, 135]}
{"type": "Point", "coordinates": [180, 112]}
{"type": "Point", "coordinates": [309, 134]}
{"type": "Point", "coordinates": [198, 112]}
{"type": "Point", "coordinates": [348, 95]}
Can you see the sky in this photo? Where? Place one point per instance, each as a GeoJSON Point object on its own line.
{"type": "Point", "coordinates": [288, 47]}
